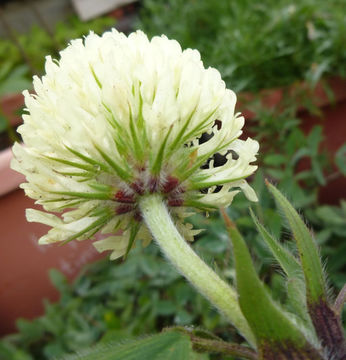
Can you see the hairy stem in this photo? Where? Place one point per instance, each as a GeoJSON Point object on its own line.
{"type": "Point", "coordinates": [222, 347]}
{"type": "Point", "coordinates": [185, 260]}
{"type": "Point", "coordinates": [328, 329]}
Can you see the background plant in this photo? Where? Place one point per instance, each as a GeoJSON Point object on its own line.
{"type": "Point", "coordinates": [16, 72]}
{"type": "Point", "coordinates": [37, 43]}
{"type": "Point", "coordinates": [110, 302]}
{"type": "Point", "coordinates": [256, 45]}
{"type": "Point", "coordinates": [300, 41]}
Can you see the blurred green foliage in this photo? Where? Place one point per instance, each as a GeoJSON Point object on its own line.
{"type": "Point", "coordinates": [110, 301]}
{"type": "Point", "coordinates": [20, 63]}
{"type": "Point", "coordinates": [254, 45]}
{"type": "Point", "coordinates": [114, 301]}
{"type": "Point", "coordinates": [39, 43]}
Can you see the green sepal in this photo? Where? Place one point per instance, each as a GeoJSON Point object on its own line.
{"type": "Point", "coordinates": [199, 128]}
{"type": "Point", "coordinates": [123, 174]}
{"type": "Point", "coordinates": [157, 163]}
{"type": "Point", "coordinates": [179, 137]}
{"type": "Point", "coordinates": [101, 187]}
{"type": "Point", "coordinates": [86, 167]}
{"type": "Point", "coordinates": [133, 233]}
{"type": "Point", "coordinates": [98, 82]}
{"type": "Point", "coordinates": [199, 205]}
{"type": "Point", "coordinates": [90, 230]}
{"type": "Point", "coordinates": [307, 248]}
{"type": "Point", "coordinates": [137, 142]}
{"type": "Point", "coordinates": [87, 159]}
{"type": "Point", "coordinates": [122, 139]}
{"type": "Point", "coordinates": [267, 321]}
{"type": "Point", "coordinates": [201, 160]}
{"type": "Point", "coordinates": [83, 195]}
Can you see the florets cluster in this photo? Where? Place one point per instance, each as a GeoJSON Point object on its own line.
{"type": "Point", "coordinates": [117, 118]}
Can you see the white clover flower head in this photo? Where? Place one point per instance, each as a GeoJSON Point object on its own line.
{"type": "Point", "coordinates": [119, 117]}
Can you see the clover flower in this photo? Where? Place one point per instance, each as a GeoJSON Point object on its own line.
{"type": "Point", "coordinates": [120, 117]}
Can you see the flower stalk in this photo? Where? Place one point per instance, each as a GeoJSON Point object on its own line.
{"type": "Point", "coordinates": [204, 341]}
{"type": "Point", "coordinates": [186, 261]}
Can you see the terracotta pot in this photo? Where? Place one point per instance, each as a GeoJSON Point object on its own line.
{"type": "Point", "coordinates": [331, 117]}
{"type": "Point", "coordinates": [24, 265]}
{"type": "Point", "coordinates": [333, 122]}
{"type": "Point", "coordinates": [9, 179]}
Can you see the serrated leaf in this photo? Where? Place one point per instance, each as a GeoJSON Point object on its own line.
{"type": "Point", "coordinates": [168, 346]}
{"type": "Point", "coordinates": [308, 252]}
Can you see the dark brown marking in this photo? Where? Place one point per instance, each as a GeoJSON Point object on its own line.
{"type": "Point", "coordinates": [122, 197]}
{"type": "Point", "coordinates": [123, 209]}
{"type": "Point", "coordinates": [175, 202]}
{"type": "Point", "coordinates": [170, 184]}
{"type": "Point", "coordinates": [138, 187]}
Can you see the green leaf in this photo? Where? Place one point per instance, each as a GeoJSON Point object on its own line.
{"type": "Point", "coordinates": [340, 159]}
{"type": "Point", "coordinates": [168, 346]}
{"type": "Point", "coordinates": [314, 139]}
{"type": "Point", "coordinates": [297, 300]}
{"type": "Point", "coordinates": [331, 215]}
{"type": "Point", "coordinates": [274, 159]}
{"type": "Point", "coordinates": [266, 319]}
{"type": "Point", "coordinates": [59, 280]}
{"type": "Point", "coordinates": [3, 123]}
{"type": "Point", "coordinates": [307, 247]}
{"type": "Point", "coordinates": [287, 261]}
{"type": "Point", "coordinates": [165, 307]}
{"type": "Point", "coordinates": [317, 170]}
{"type": "Point", "coordinates": [15, 82]}
{"type": "Point", "coordinates": [31, 330]}
{"type": "Point", "coordinates": [275, 173]}
{"type": "Point", "coordinates": [9, 352]}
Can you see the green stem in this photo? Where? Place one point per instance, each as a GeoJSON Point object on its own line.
{"type": "Point", "coordinates": [210, 343]}
{"type": "Point", "coordinates": [203, 278]}
{"type": "Point", "coordinates": [216, 346]}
